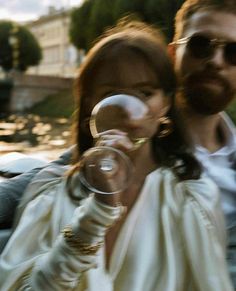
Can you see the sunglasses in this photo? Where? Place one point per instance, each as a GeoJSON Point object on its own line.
{"type": "Point", "coordinates": [203, 47]}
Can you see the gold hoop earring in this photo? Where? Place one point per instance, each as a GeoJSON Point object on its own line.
{"type": "Point", "coordinates": [166, 127]}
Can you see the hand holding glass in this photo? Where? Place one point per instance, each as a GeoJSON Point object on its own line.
{"type": "Point", "coordinates": [102, 163]}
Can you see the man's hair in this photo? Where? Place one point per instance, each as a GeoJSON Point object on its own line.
{"type": "Point", "coordinates": [190, 7]}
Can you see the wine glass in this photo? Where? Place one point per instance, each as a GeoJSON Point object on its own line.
{"type": "Point", "coordinates": [107, 170]}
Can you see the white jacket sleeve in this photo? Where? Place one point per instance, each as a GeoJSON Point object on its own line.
{"type": "Point", "coordinates": [204, 235]}
{"type": "Point", "coordinates": [33, 260]}
{"type": "Point", "coordinates": [61, 269]}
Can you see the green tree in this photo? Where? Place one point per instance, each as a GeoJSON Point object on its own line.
{"type": "Point", "coordinates": [162, 14]}
{"type": "Point", "coordinates": [79, 25]}
{"type": "Point", "coordinates": [101, 18]}
{"type": "Point", "coordinates": [94, 16]}
{"type": "Point", "coordinates": [18, 47]}
{"type": "Point", "coordinates": [89, 21]}
{"type": "Point", "coordinates": [134, 7]}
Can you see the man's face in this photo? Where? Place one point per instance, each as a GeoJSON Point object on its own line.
{"type": "Point", "coordinates": [208, 82]}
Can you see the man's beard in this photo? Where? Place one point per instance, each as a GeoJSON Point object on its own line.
{"type": "Point", "coordinates": [203, 99]}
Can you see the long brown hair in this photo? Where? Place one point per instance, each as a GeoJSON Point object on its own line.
{"type": "Point", "coordinates": [149, 44]}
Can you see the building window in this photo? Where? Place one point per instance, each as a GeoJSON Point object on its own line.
{"type": "Point", "coordinates": [51, 55]}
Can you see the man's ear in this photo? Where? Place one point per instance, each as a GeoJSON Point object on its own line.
{"type": "Point", "coordinates": [172, 51]}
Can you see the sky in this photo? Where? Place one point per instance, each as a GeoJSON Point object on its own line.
{"type": "Point", "coordinates": [25, 10]}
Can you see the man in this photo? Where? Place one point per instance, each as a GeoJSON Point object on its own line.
{"type": "Point", "coordinates": [206, 66]}
{"type": "Point", "coordinates": [204, 51]}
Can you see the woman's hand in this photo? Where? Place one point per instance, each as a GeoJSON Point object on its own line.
{"type": "Point", "coordinates": [115, 138]}
{"type": "Point", "coordinates": [119, 140]}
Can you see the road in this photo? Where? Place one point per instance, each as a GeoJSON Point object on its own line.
{"type": "Point", "coordinates": [34, 135]}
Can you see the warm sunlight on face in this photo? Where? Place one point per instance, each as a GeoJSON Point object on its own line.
{"type": "Point", "coordinates": [130, 74]}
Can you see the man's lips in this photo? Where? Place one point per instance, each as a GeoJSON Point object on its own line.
{"type": "Point", "coordinates": [212, 82]}
{"type": "Point", "coordinates": [206, 79]}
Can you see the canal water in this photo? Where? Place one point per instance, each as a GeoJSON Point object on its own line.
{"type": "Point", "coordinates": [42, 137]}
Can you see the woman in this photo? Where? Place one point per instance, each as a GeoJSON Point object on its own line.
{"type": "Point", "coordinates": [171, 236]}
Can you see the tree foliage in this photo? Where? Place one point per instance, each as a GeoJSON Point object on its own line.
{"type": "Point", "coordinates": [79, 24]}
{"type": "Point", "coordinates": [101, 17]}
{"type": "Point", "coordinates": [24, 52]}
{"type": "Point", "coordinates": [94, 16]}
{"type": "Point", "coordinates": [135, 7]}
{"type": "Point", "coordinates": [162, 13]}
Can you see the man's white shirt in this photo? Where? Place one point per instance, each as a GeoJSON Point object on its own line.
{"type": "Point", "coordinates": [221, 167]}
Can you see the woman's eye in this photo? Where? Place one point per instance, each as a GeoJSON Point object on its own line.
{"type": "Point", "coordinates": [108, 93]}
{"type": "Point", "coordinates": [146, 93]}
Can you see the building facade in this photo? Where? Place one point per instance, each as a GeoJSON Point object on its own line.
{"type": "Point", "coordinates": [59, 56]}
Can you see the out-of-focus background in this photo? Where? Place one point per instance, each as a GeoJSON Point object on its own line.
{"type": "Point", "coordinates": [42, 44]}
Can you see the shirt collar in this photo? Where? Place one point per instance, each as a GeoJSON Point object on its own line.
{"type": "Point", "coordinates": [229, 130]}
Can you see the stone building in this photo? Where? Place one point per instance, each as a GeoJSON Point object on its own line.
{"type": "Point", "coordinates": [60, 57]}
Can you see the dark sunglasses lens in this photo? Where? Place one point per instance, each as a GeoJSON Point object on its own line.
{"type": "Point", "coordinates": [200, 46]}
{"type": "Point", "coordinates": [230, 53]}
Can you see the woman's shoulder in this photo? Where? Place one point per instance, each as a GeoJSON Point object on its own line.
{"type": "Point", "coordinates": [48, 177]}
{"type": "Point", "coordinates": [52, 171]}
{"type": "Point", "coordinates": [44, 186]}
{"type": "Point", "coordinates": [202, 189]}
{"type": "Point", "coordinates": [203, 184]}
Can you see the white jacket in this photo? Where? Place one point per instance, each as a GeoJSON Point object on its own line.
{"type": "Point", "coordinates": [172, 240]}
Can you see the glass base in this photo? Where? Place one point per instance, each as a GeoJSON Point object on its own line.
{"type": "Point", "coordinates": [105, 170]}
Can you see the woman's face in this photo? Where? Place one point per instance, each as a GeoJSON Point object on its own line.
{"type": "Point", "coordinates": [129, 73]}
